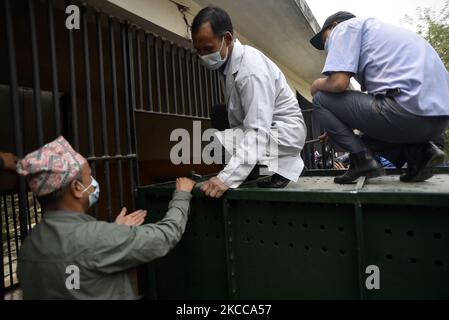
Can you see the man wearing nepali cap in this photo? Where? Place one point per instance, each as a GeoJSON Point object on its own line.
{"type": "Point", "coordinates": [405, 108]}
{"type": "Point", "coordinates": [68, 239]}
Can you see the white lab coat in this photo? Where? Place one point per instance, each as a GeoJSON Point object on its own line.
{"type": "Point", "coordinates": [260, 99]}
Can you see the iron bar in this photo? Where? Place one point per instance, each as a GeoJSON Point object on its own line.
{"type": "Point", "coordinates": [165, 67]}
{"type": "Point", "coordinates": [54, 69]}
{"type": "Point", "coordinates": [150, 78]}
{"type": "Point", "coordinates": [175, 78]}
{"type": "Point", "coordinates": [18, 138]}
{"type": "Point", "coordinates": [116, 110]}
{"type": "Point", "coordinates": [104, 125]}
{"type": "Point", "coordinates": [36, 74]}
{"type": "Point", "coordinates": [181, 80]}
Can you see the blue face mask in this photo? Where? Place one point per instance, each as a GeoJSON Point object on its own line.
{"type": "Point", "coordinates": [95, 195]}
{"type": "Point", "coordinates": [214, 61]}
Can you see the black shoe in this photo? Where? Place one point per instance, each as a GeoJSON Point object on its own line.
{"type": "Point", "coordinates": [362, 164]}
{"type": "Point", "coordinates": [422, 160]}
{"type": "Point", "coordinates": [274, 182]}
{"type": "Point", "coordinates": [254, 175]}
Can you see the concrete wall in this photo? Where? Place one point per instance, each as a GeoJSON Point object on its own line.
{"type": "Point", "coordinates": [165, 13]}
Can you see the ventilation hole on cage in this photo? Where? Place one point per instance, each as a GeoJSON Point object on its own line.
{"type": "Point", "coordinates": [205, 217]}
{"type": "Point", "coordinates": [195, 234]}
{"type": "Point", "coordinates": [207, 235]}
{"type": "Point", "coordinates": [262, 242]}
{"type": "Point", "coordinates": [260, 222]}
{"type": "Point", "coordinates": [324, 250]}
{"type": "Point", "coordinates": [389, 257]}
{"type": "Point", "coordinates": [247, 221]}
{"type": "Point", "coordinates": [341, 229]}
{"type": "Point", "coordinates": [305, 226]}
{"type": "Point", "coordinates": [413, 260]}
{"type": "Point", "coordinates": [217, 236]}
{"type": "Point", "coordinates": [322, 227]}
{"type": "Point", "coordinates": [307, 248]}
{"type": "Point", "coordinates": [439, 263]}
{"type": "Point", "coordinates": [248, 240]}
{"type": "Point", "coordinates": [437, 236]}
{"type": "Point", "coordinates": [292, 245]}
{"type": "Point", "coordinates": [290, 224]}
{"type": "Point", "coordinates": [388, 231]}
{"type": "Point", "coordinates": [216, 218]}
{"type": "Point", "coordinates": [342, 252]}
{"type": "Point", "coordinates": [276, 244]}
{"type": "Point", "coordinates": [275, 223]}
{"type": "Point", "coordinates": [411, 234]}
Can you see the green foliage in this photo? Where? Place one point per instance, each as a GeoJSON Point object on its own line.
{"type": "Point", "coordinates": [434, 27]}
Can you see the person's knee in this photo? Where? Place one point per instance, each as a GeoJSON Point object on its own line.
{"type": "Point", "coordinates": [319, 99]}
{"type": "Point", "coordinates": [327, 100]}
{"type": "Point", "coordinates": [316, 100]}
{"type": "Point", "coordinates": [319, 107]}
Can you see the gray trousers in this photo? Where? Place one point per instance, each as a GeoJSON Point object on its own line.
{"type": "Point", "coordinates": [388, 129]}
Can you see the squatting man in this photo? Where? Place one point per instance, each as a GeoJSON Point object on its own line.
{"type": "Point", "coordinates": [405, 109]}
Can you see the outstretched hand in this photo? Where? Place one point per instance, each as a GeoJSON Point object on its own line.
{"type": "Point", "coordinates": [134, 219]}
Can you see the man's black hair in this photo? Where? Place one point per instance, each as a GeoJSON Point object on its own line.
{"type": "Point", "coordinates": [218, 18]}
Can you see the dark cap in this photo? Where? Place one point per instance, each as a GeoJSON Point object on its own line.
{"type": "Point", "coordinates": [317, 41]}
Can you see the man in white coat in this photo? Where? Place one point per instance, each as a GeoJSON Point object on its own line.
{"type": "Point", "coordinates": [259, 102]}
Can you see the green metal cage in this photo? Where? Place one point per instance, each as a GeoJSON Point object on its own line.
{"type": "Point", "coordinates": [313, 240]}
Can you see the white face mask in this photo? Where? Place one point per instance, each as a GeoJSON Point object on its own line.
{"type": "Point", "coordinates": [214, 61]}
{"type": "Point", "coordinates": [95, 195]}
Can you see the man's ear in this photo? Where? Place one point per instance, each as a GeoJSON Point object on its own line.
{"type": "Point", "coordinates": [76, 189]}
{"type": "Point", "coordinates": [228, 38]}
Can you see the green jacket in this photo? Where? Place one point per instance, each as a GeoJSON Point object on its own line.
{"type": "Point", "coordinates": [103, 253]}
